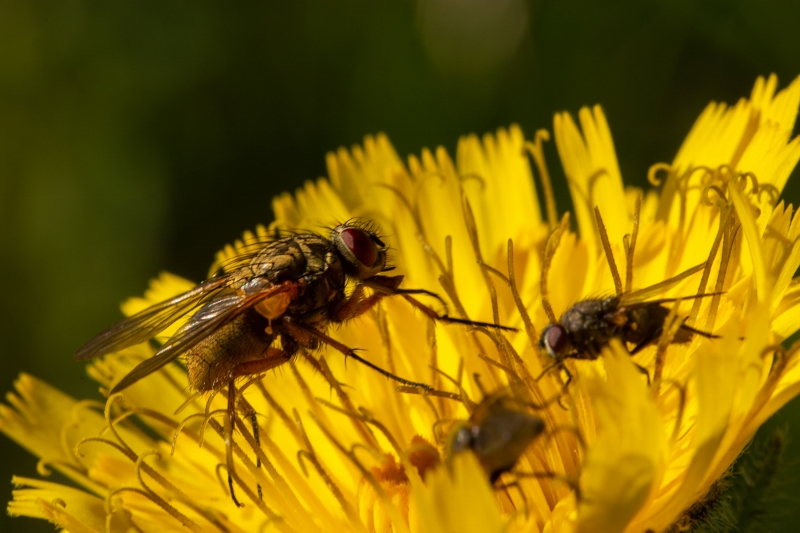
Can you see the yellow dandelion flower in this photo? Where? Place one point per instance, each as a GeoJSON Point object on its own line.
{"type": "Point", "coordinates": [342, 449]}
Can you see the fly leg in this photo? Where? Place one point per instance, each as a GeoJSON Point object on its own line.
{"type": "Point", "coordinates": [308, 337]}
{"type": "Point", "coordinates": [229, 424]}
{"type": "Point", "coordinates": [433, 315]}
{"type": "Point", "coordinates": [644, 343]}
{"type": "Point", "coordinates": [274, 357]}
{"type": "Point", "coordinates": [389, 286]}
{"type": "Point", "coordinates": [250, 413]}
{"type": "Point", "coordinates": [561, 367]}
{"type": "Point", "coordinates": [357, 304]}
{"type": "Point", "coordinates": [644, 371]}
{"type": "Point", "coordinates": [689, 331]}
{"type": "Point", "coordinates": [382, 286]}
{"type": "Point", "coordinates": [647, 341]}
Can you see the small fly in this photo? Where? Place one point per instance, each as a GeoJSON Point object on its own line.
{"type": "Point", "coordinates": [630, 316]}
{"type": "Point", "coordinates": [589, 325]}
{"type": "Point", "coordinates": [287, 290]}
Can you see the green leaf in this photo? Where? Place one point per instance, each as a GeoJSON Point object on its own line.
{"type": "Point", "coordinates": [742, 500]}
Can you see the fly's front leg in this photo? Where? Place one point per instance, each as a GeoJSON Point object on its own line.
{"type": "Point", "coordinates": [357, 304]}
{"type": "Point", "coordinates": [309, 337]}
{"type": "Point", "coordinates": [389, 286]}
{"type": "Point", "coordinates": [382, 286]}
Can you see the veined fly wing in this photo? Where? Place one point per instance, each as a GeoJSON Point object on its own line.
{"type": "Point", "coordinates": [647, 293]}
{"type": "Point", "coordinates": [205, 322]}
{"type": "Point", "coordinates": [149, 322]}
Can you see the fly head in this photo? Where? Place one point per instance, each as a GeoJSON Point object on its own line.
{"type": "Point", "coordinates": [362, 251]}
{"type": "Point", "coordinates": [555, 340]}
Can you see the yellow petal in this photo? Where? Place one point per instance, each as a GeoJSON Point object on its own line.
{"type": "Point", "coordinates": [462, 501]}
{"type": "Point", "coordinates": [622, 465]}
{"type": "Point", "coordinates": [590, 164]}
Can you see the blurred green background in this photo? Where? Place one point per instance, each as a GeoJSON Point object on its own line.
{"type": "Point", "coordinates": [141, 136]}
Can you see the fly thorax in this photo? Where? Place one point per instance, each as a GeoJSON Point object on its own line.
{"type": "Point", "coordinates": [280, 261]}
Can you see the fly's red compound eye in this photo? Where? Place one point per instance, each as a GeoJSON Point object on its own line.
{"type": "Point", "coordinates": [362, 252]}
{"type": "Point", "coordinates": [361, 245]}
{"type": "Point", "coordinates": [555, 339]}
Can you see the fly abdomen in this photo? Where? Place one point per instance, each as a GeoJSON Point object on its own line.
{"type": "Point", "coordinates": [244, 338]}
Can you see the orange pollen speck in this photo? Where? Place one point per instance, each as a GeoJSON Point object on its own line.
{"type": "Point", "coordinates": [423, 455]}
{"type": "Point", "coordinates": [390, 472]}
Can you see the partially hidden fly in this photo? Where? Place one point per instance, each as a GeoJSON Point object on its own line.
{"type": "Point", "coordinates": [498, 432]}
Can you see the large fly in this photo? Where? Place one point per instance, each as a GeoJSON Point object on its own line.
{"type": "Point", "coordinates": [262, 308]}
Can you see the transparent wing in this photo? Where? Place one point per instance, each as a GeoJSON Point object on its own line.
{"type": "Point", "coordinates": [659, 301]}
{"type": "Point", "coordinates": [241, 254]}
{"type": "Point", "coordinates": [205, 322]}
{"type": "Point", "coordinates": [148, 323]}
{"type": "Point", "coordinates": [644, 294]}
